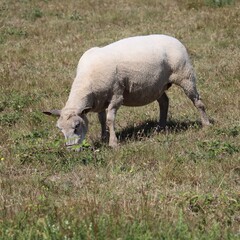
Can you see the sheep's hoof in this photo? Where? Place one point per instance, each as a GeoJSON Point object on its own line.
{"type": "Point", "coordinates": [113, 145]}
{"type": "Point", "coordinates": [206, 124]}
{"type": "Point", "coordinates": [160, 128]}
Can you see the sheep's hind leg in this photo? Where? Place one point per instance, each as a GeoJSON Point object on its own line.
{"type": "Point", "coordinates": [190, 90]}
{"type": "Point", "coordinates": [163, 102]}
{"type": "Point", "coordinates": [102, 120]}
{"type": "Point", "coordinates": [111, 115]}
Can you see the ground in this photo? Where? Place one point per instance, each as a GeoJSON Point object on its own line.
{"type": "Point", "coordinates": [181, 184]}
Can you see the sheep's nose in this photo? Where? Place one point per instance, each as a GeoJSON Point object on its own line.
{"type": "Point", "coordinates": [70, 141]}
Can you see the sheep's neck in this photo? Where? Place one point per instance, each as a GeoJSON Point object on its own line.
{"type": "Point", "coordinates": [79, 100]}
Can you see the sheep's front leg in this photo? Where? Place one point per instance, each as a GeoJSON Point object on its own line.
{"type": "Point", "coordinates": [102, 120]}
{"type": "Point", "coordinates": [111, 115]}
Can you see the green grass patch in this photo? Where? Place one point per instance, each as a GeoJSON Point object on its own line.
{"type": "Point", "coordinates": [178, 184]}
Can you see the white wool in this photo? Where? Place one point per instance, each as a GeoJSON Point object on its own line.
{"type": "Point", "coordinates": [137, 67]}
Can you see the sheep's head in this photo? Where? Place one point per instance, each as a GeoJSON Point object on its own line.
{"type": "Point", "coordinates": [73, 125]}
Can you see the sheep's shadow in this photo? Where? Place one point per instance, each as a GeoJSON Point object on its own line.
{"type": "Point", "coordinates": [147, 128]}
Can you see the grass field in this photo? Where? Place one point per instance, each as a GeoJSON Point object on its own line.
{"type": "Point", "coordinates": [182, 184]}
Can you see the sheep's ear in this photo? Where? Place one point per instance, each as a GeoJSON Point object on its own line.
{"type": "Point", "coordinates": [54, 112]}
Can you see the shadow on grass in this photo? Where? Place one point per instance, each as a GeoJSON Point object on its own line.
{"type": "Point", "coordinates": [149, 127]}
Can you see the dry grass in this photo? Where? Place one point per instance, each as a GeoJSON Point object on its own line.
{"type": "Point", "coordinates": [183, 184]}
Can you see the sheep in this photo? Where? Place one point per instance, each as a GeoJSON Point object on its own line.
{"type": "Point", "coordinates": [133, 71]}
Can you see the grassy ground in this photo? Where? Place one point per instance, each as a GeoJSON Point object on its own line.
{"type": "Point", "coordinates": [184, 184]}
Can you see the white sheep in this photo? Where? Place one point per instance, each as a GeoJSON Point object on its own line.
{"type": "Point", "coordinates": [131, 72]}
